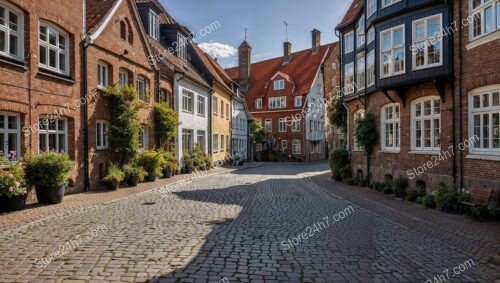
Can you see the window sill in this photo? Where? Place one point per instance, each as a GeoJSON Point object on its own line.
{"type": "Point", "coordinates": [14, 62]}
{"type": "Point", "coordinates": [102, 148]}
{"type": "Point", "coordinates": [491, 157]}
{"type": "Point", "coordinates": [483, 40]}
{"type": "Point", "coordinates": [424, 152]}
{"type": "Point", "coordinates": [57, 76]}
{"type": "Point", "coordinates": [425, 67]}
{"type": "Point", "coordinates": [396, 151]}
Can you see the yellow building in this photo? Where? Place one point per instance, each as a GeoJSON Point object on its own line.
{"type": "Point", "coordinates": [221, 106]}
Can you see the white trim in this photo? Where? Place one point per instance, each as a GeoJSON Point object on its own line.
{"type": "Point", "coordinates": [422, 148]}
{"type": "Point", "coordinates": [7, 131]}
{"type": "Point", "coordinates": [427, 42]}
{"type": "Point", "coordinates": [483, 157]}
{"type": "Point", "coordinates": [57, 131]}
{"type": "Point", "coordinates": [403, 46]}
{"type": "Point", "coordinates": [483, 40]}
{"type": "Point", "coordinates": [105, 145]}
{"type": "Point", "coordinates": [345, 41]}
{"type": "Point", "coordinates": [490, 151]}
{"type": "Point", "coordinates": [106, 21]}
{"type": "Point", "coordinates": [394, 121]}
{"type": "Point", "coordinates": [20, 31]}
{"type": "Point", "coordinates": [60, 32]}
{"type": "Point", "coordinates": [388, 5]}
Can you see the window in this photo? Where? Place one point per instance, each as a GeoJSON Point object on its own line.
{"type": "Point", "coordinates": [258, 103]}
{"type": "Point", "coordinates": [295, 125]}
{"type": "Point", "coordinates": [360, 71]}
{"type": "Point", "coordinates": [371, 35]}
{"type": "Point", "coordinates": [426, 121]}
{"type": "Point", "coordinates": [284, 144]}
{"type": "Point", "coordinates": [392, 51]}
{"type": "Point", "coordinates": [154, 25]}
{"type": "Point", "coordinates": [182, 47]}
{"type": "Point", "coordinates": [123, 30]}
{"type": "Point", "coordinates": [296, 147]}
{"type": "Point", "coordinates": [11, 31]}
{"type": "Point", "coordinates": [370, 69]}
{"type": "Point", "coordinates": [102, 135]}
{"type": "Point", "coordinates": [360, 32]}
{"type": "Point", "coordinates": [298, 101]}
{"type": "Point", "coordinates": [187, 140]}
{"type": "Point", "coordinates": [53, 135]}
{"type": "Point", "coordinates": [334, 66]}
{"type": "Point", "coordinates": [386, 3]}
{"type": "Point", "coordinates": [390, 127]}
{"type": "Point", "coordinates": [484, 116]}
{"type": "Point", "coordinates": [268, 125]}
{"type": "Point", "coordinates": [163, 96]}
{"type": "Point", "coordinates": [349, 77]}
{"type": "Point", "coordinates": [143, 137]}
{"type": "Point", "coordinates": [53, 46]}
{"type": "Point", "coordinates": [360, 114]}
{"type": "Point", "coordinates": [282, 125]}
{"type": "Point", "coordinates": [371, 7]}
{"type": "Point", "coordinates": [141, 88]}
{"type": "Point", "coordinates": [122, 78]}
{"type": "Point", "coordinates": [348, 42]}
{"type": "Point", "coordinates": [10, 134]}
{"type": "Point", "coordinates": [426, 48]}
{"type": "Point", "coordinates": [215, 143]}
{"type": "Point", "coordinates": [214, 105]}
{"type": "Point", "coordinates": [227, 110]}
{"type": "Point", "coordinates": [227, 143]}
{"type": "Point", "coordinates": [187, 101]}
{"type": "Point", "coordinates": [277, 102]}
{"type": "Point", "coordinates": [102, 75]}
{"type": "Point", "coordinates": [221, 143]}
{"type": "Point", "coordinates": [200, 139]}
{"type": "Point", "coordinates": [222, 108]}
{"type": "Point", "coordinates": [201, 105]}
{"type": "Point", "coordinates": [279, 84]}
{"type": "Point", "coordinates": [484, 13]}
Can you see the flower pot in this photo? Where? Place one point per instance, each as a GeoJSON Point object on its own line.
{"type": "Point", "coordinates": [113, 185]}
{"type": "Point", "coordinates": [13, 203]}
{"type": "Point", "coordinates": [133, 181]}
{"type": "Point", "coordinates": [151, 177]}
{"type": "Point", "coordinates": [167, 173]}
{"type": "Point", "coordinates": [50, 195]}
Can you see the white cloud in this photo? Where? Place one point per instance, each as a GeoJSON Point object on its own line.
{"type": "Point", "coordinates": [218, 50]}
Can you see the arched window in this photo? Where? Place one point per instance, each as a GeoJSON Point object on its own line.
{"type": "Point", "coordinates": [11, 31]}
{"type": "Point", "coordinates": [390, 122]}
{"type": "Point", "coordinates": [123, 30]}
{"type": "Point", "coordinates": [426, 124]}
{"type": "Point", "coordinates": [53, 44]}
{"type": "Point", "coordinates": [130, 35]}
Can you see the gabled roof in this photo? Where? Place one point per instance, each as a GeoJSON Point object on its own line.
{"type": "Point", "coordinates": [97, 11]}
{"type": "Point", "coordinates": [216, 71]}
{"type": "Point", "coordinates": [302, 70]}
{"type": "Point", "coordinates": [180, 66]}
{"type": "Point", "coordinates": [351, 14]}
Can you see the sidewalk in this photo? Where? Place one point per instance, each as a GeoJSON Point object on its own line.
{"type": "Point", "coordinates": [34, 212]}
{"type": "Point", "coordinates": [480, 239]}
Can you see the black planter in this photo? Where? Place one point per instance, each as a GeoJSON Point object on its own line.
{"type": "Point", "coordinates": [113, 185]}
{"type": "Point", "coordinates": [50, 196]}
{"type": "Point", "coordinates": [167, 173]}
{"type": "Point", "coordinates": [151, 177]}
{"type": "Point", "coordinates": [133, 181]}
{"type": "Point", "coordinates": [12, 204]}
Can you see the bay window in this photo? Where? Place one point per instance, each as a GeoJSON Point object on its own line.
{"type": "Point", "coordinates": [390, 121]}
{"type": "Point", "coordinates": [426, 124]}
{"type": "Point", "coordinates": [11, 31]}
{"type": "Point", "coordinates": [360, 32]}
{"type": "Point", "coordinates": [392, 51]}
{"type": "Point", "coordinates": [371, 35]}
{"type": "Point", "coordinates": [386, 3]}
{"type": "Point", "coordinates": [349, 77]}
{"type": "Point", "coordinates": [484, 120]}
{"type": "Point", "coordinates": [349, 42]}
{"type": "Point", "coordinates": [427, 39]}
{"type": "Point", "coordinates": [370, 69]}
{"type": "Point", "coordinates": [53, 47]}
{"type": "Point", "coordinates": [360, 71]}
{"type": "Point", "coordinates": [371, 7]}
{"type": "Point", "coordinates": [53, 135]}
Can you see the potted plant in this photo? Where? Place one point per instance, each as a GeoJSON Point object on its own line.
{"type": "Point", "coordinates": [167, 163]}
{"type": "Point", "coordinates": [150, 160]}
{"type": "Point", "coordinates": [114, 177]}
{"type": "Point", "coordinates": [13, 191]}
{"type": "Point", "coordinates": [441, 197]}
{"type": "Point", "coordinates": [188, 161]}
{"type": "Point", "coordinates": [429, 201]}
{"type": "Point", "coordinates": [399, 187]}
{"type": "Point", "coordinates": [48, 172]}
{"type": "Point", "coordinates": [134, 174]}
{"type": "Point", "coordinates": [208, 162]}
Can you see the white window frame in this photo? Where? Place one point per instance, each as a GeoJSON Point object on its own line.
{"type": "Point", "coordinates": [200, 103]}
{"type": "Point", "coordinates": [282, 125]}
{"type": "Point", "coordinates": [277, 102]}
{"type": "Point", "coordinates": [181, 47]}
{"type": "Point", "coordinates": [295, 125]}
{"type": "Point", "coordinates": [141, 88]}
{"type": "Point", "coordinates": [427, 42]}
{"type": "Point", "coordinates": [268, 125]}
{"type": "Point", "coordinates": [298, 101]}
{"type": "Point", "coordinates": [154, 25]}
{"type": "Point", "coordinates": [4, 145]}
{"type": "Point", "coordinates": [102, 133]}
{"type": "Point", "coordinates": [360, 114]}
{"type": "Point", "coordinates": [45, 133]}
{"type": "Point", "coordinates": [258, 103]}
{"type": "Point", "coordinates": [360, 32]}
{"type": "Point", "coordinates": [102, 75]}
{"type": "Point", "coordinates": [360, 71]}
{"type": "Point", "coordinates": [480, 10]}
{"type": "Point", "coordinates": [489, 110]}
{"type": "Point", "coordinates": [279, 84]}
{"type": "Point", "coordinates": [215, 105]}
{"type": "Point", "coordinates": [143, 137]}
{"type": "Point", "coordinates": [56, 48]}
{"type": "Point", "coordinates": [422, 118]}
{"type": "Point", "coordinates": [387, 3]}
{"type": "Point", "coordinates": [284, 144]}
{"type": "Point", "coordinates": [392, 51]}
{"type": "Point", "coordinates": [371, 7]}
{"type": "Point", "coordinates": [395, 122]}
{"type": "Point", "coordinates": [370, 35]}
{"type": "Point", "coordinates": [370, 69]}
{"type": "Point", "coordinates": [296, 147]}
{"type": "Point", "coordinates": [349, 83]}
{"type": "Point", "coordinates": [222, 143]}
{"type": "Point", "coordinates": [19, 33]}
{"type": "Point", "coordinates": [122, 78]}
{"type": "Point", "coordinates": [187, 140]}
{"type": "Point", "coordinates": [187, 101]}
{"type": "Point", "coordinates": [201, 140]}
{"type": "Point", "coordinates": [349, 42]}
{"type": "Point", "coordinates": [215, 143]}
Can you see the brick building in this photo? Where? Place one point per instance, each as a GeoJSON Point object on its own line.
{"type": "Point", "coordinates": [40, 79]}
{"type": "Point", "coordinates": [287, 95]}
{"type": "Point", "coordinates": [401, 62]}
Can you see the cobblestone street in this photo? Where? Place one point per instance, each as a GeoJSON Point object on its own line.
{"type": "Point", "coordinates": [234, 226]}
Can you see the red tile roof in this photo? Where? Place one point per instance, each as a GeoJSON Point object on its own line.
{"type": "Point", "coordinates": [96, 12]}
{"type": "Point", "coordinates": [301, 70]}
{"type": "Point", "coordinates": [351, 14]}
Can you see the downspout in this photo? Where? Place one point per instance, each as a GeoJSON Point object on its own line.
{"type": "Point", "coordinates": [30, 103]}
{"type": "Point", "coordinates": [460, 91]}
{"type": "Point", "coordinates": [85, 45]}
{"type": "Point", "coordinates": [209, 138]}
{"type": "Point", "coordinates": [452, 88]}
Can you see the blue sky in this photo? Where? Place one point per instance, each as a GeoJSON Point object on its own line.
{"type": "Point", "coordinates": [263, 18]}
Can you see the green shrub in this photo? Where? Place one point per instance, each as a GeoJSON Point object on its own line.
{"type": "Point", "coordinates": [339, 163]}
{"type": "Point", "coordinates": [166, 122]}
{"type": "Point", "coordinates": [47, 170]}
{"type": "Point", "coordinates": [133, 169]}
{"type": "Point", "coordinates": [115, 174]}
{"type": "Point", "coordinates": [399, 187]}
{"type": "Point", "coordinates": [12, 182]}
{"type": "Point", "coordinates": [150, 160]}
{"type": "Point", "coordinates": [429, 201]}
{"type": "Point", "coordinates": [366, 133]}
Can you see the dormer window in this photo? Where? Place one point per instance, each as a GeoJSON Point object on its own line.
{"type": "Point", "coordinates": [279, 84]}
{"type": "Point", "coordinates": [181, 47]}
{"type": "Point", "coordinates": [154, 25]}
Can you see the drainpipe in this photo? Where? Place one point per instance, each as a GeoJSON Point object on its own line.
{"type": "Point", "coordinates": [452, 88]}
{"type": "Point", "coordinates": [209, 114]}
{"type": "Point", "coordinates": [85, 45]}
{"type": "Point", "coordinates": [460, 91]}
{"type": "Point", "coordinates": [30, 103]}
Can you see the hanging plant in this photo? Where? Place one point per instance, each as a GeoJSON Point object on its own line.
{"type": "Point", "coordinates": [366, 133]}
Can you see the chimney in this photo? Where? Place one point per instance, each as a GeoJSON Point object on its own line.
{"type": "Point", "coordinates": [245, 64]}
{"type": "Point", "coordinates": [287, 49]}
{"type": "Point", "coordinates": [316, 38]}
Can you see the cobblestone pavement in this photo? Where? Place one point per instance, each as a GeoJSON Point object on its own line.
{"type": "Point", "coordinates": [229, 227]}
